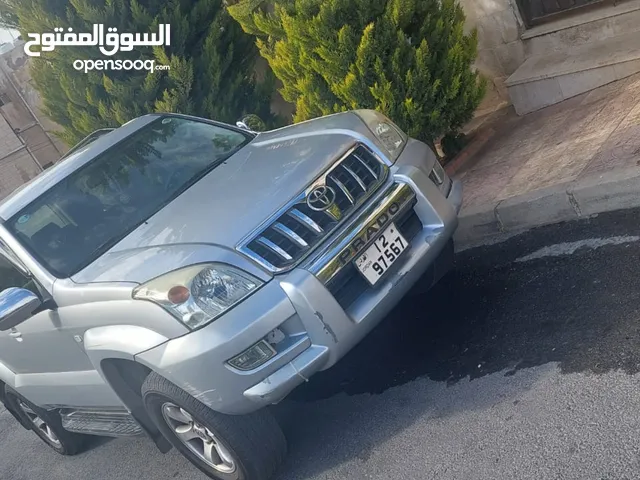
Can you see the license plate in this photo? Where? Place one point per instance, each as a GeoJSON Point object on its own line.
{"type": "Point", "coordinates": [383, 253]}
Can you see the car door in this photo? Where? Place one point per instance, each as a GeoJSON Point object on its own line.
{"type": "Point", "coordinates": [51, 367]}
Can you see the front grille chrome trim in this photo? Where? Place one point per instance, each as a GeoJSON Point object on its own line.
{"type": "Point", "coordinates": [274, 248]}
{"type": "Point", "coordinates": [279, 244]}
{"type": "Point", "coordinates": [364, 164]}
{"type": "Point", "coordinates": [290, 234]}
{"type": "Point", "coordinates": [304, 220]}
{"type": "Point", "coordinates": [344, 190]}
{"type": "Point", "coordinates": [334, 256]}
{"type": "Point", "coordinates": [355, 176]}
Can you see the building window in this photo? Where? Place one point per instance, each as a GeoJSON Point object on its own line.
{"type": "Point", "coordinates": [4, 99]}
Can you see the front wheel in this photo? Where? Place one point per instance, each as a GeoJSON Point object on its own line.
{"type": "Point", "coordinates": [225, 447]}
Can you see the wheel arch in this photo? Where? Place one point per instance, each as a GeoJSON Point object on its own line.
{"type": "Point", "coordinates": [7, 379]}
{"type": "Point", "coordinates": [112, 351]}
{"type": "Point", "coordinates": [126, 377]}
{"type": "Point", "coordinates": [9, 407]}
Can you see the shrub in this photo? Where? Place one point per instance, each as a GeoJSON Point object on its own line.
{"type": "Point", "coordinates": [452, 144]}
{"type": "Point", "coordinates": [211, 60]}
{"type": "Point", "coordinates": [409, 59]}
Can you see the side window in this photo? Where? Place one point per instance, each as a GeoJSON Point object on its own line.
{"type": "Point", "coordinates": [10, 276]}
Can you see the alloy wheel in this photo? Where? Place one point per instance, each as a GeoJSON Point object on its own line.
{"type": "Point", "coordinates": [198, 438]}
{"type": "Point", "coordinates": [40, 424]}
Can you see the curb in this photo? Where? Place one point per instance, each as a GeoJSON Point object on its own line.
{"type": "Point", "coordinates": [463, 158]}
{"type": "Point", "coordinates": [581, 198]}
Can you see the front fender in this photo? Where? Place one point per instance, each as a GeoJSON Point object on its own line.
{"type": "Point", "coordinates": [119, 341]}
{"type": "Point", "coordinates": [7, 376]}
{"type": "Point", "coordinates": [112, 350]}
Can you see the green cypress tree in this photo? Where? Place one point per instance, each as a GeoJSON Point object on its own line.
{"type": "Point", "coordinates": [8, 15]}
{"type": "Point", "coordinates": [211, 63]}
{"type": "Point", "coordinates": [409, 59]}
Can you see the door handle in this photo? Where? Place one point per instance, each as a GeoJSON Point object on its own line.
{"type": "Point", "coordinates": [15, 334]}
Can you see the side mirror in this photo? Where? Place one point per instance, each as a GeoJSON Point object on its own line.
{"type": "Point", "coordinates": [252, 123]}
{"type": "Point", "coordinates": [16, 306]}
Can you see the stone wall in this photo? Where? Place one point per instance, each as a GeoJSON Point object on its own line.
{"type": "Point", "coordinates": [15, 170]}
{"type": "Point", "coordinates": [17, 164]}
{"type": "Point", "coordinates": [9, 141]}
{"type": "Point", "coordinates": [27, 145]}
{"type": "Point", "coordinates": [15, 65]}
{"type": "Point", "coordinates": [500, 50]}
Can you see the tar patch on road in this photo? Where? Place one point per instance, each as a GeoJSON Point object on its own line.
{"type": "Point", "coordinates": [492, 314]}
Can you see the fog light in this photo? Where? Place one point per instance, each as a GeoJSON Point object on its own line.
{"type": "Point", "coordinates": [253, 356]}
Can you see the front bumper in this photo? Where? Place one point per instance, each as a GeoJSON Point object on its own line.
{"type": "Point", "coordinates": [455, 196]}
{"type": "Point", "coordinates": [319, 327]}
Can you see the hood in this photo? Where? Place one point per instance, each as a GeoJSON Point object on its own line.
{"type": "Point", "coordinates": [242, 193]}
{"type": "Point", "coordinates": [142, 264]}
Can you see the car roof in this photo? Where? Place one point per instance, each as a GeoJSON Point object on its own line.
{"type": "Point", "coordinates": [92, 137]}
{"type": "Point", "coordinates": [28, 192]}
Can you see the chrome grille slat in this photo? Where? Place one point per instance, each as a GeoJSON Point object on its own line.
{"type": "Point", "coordinates": [298, 228]}
{"type": "Point", "coordinates": [356, 178]}
{"type": "Point", "coordinates": [274, 248]}
{"type": "Point", "coordinates": [293, 236]}
{"type": "Point", "coordinates": [365, 165]}
{"type": "Point", "coordinates": [344, 190]}
{"type": "Point", "coordinates": [304, 220]}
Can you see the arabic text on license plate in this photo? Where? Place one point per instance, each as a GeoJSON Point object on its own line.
{"type": "Point", "coordinates": [383, 253]}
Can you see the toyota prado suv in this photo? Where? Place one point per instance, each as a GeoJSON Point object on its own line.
{"type": "Point", "coordinates": [175, 276]}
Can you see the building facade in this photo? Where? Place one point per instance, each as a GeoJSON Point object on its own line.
{"type": "Point", "coordinates": [27, 143]}
{"type": "Point", "coordinates": [537, 53]}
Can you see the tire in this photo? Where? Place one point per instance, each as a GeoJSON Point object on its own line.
{"type": "Point", "coordinates": [253, 445]}
{"type": "Point", "coordinates": [45, 424]}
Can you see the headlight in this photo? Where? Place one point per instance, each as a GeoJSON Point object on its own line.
{"type": "Point", "coordinates": [388, 134]}
{"type": "Point", "coordinates": [198, 294]}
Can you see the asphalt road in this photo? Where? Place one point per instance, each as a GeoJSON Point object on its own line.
{"type": "Point", "coordinates": [523, 363]}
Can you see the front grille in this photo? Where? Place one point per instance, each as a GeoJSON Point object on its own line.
{"type": "Point", "coordinates": [299, 228]}
{"type": "Point", "coordinates": [348, 285]}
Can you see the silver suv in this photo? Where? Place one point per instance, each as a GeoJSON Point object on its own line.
{"type": "Point", "coordinates": [176, 275]}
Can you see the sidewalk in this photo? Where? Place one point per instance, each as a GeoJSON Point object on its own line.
{"type": "Point", "coordinates": [538, 161]}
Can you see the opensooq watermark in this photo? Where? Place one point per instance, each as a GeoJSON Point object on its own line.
{"type": "Point", "coordinates": [109, 44]}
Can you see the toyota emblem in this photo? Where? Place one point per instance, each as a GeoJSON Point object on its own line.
{"type": "Point", "coordinates": [321, 198]}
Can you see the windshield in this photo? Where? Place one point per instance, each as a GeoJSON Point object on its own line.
{"type": "Point", "coordinates": [80, 218]}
